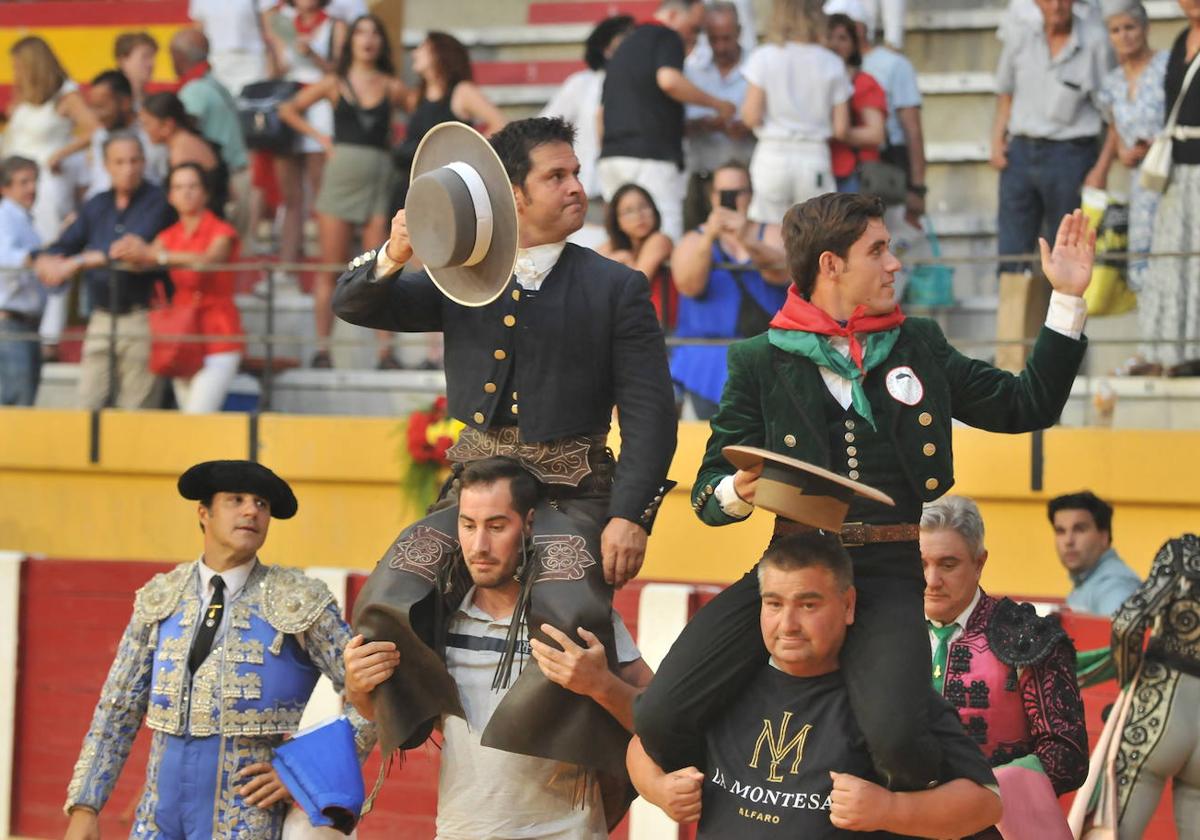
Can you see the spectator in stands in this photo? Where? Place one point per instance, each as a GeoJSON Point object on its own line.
{"type": "Point", "coordinates": [236, 34]}
{"type": "Point", "coordinates": [1171, 290]}
{"type": "Point", "coordinates": [135, 54]}
{"type": "Point", "coordinates": [1100, 579]}
{"type": "Point", "coordinates": [198, 239]}
{"type": "Point", "coordinates": [815, 766]}
{"type": "Point", "coordinates": [642, 110]}
{"type": "Point", "coordinates": [635, 239]}
{"type": "Point", "coordinates": [131, 206]}
{"type": "Point", "coordinates": [1020, 703]}
{"type": "Point", "coordinates": [110, 96]}
{"type": "Point", "coordinates": [578, 98]}
{"type": "Point", "coordinates": [167, 124]}
{"type": "Point", "coordinates": [717, 300]}
{"type": "Point", "coordinates": [445, 93]}
{"type": "Point", "coordinates": [357, 185]}
{"type": "Point", "coordinates": [709, 140]}
{"type": "Point", "coordinates": [905, 140]}
{"type": "Point", "coordinates": [22, 297]}
{"type": "Point", "coordinates": [48, 122]}
{"type": "Point", "coordinates": [868, 107]}
{"type": "Point", "coordinates": [210, 102]}
{"type": "Point", "coordinates": [796, 102]}
{"type": "Point", "coordinates": [1044, 144]}
{"type": "Point", "coordinates": [311, 42]}
{"type": "Point", "coordinates": [1132, 100]}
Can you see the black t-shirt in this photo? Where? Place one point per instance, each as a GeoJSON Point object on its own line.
{"type": "Point", "coordinates": [1183, 151]}
{"type": "Point", "coordinates": [769, 758]}
{"type": "Point", "coordinates": [640, 120]}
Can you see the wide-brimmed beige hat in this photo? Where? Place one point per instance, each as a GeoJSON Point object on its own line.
{"type": "Point", "coordinates": [462, 218]}
{"type": "Point", "coordinates": [799, 491]}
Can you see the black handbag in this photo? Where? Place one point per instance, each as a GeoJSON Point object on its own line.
{"type": "Point", "coordinates": [884, 180]}
{"type": "Point", "coordinates": [258, 111]}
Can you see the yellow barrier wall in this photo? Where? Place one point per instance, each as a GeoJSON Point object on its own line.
{"type": "Point", "coordinates": [347, 474]}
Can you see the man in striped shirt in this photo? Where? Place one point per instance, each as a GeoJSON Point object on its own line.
{"type": "Point", "coordinates": [482, 791]}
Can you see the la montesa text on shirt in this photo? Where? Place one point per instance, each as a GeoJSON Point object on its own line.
{"type": "Point", "coordinates": [779, 750]}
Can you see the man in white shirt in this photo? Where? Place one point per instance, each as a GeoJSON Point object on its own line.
{"type": "Point", "coordinates": [710, 141]}
{"type": "Point", "coordinates": [482, 791]}
{"type": "Point", "coordinates": [237, 46]}
{"type": "Point", "coordinates": [22, 297]}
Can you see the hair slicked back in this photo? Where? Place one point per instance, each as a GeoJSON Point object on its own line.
{"type": "Point", "coordinates": [516, 141]}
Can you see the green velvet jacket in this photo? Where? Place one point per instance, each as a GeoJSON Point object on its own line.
{"type": "Point", "coordinates": [775, 400]}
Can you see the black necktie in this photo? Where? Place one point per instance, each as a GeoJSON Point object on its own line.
{"type": "Point", "coordinates": [209, 623]}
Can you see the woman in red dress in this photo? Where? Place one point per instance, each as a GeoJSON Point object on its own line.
{"type": "Point", "coordinates": [198, 239]}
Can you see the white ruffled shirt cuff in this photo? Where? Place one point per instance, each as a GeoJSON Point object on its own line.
{"type": "Point", "coordinates": [731, 503]}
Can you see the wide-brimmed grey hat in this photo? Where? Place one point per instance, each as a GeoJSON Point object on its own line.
{"type": "Point", "coordinates": [462, 218]}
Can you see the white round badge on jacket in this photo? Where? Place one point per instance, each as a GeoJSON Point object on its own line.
{"type": "Point", "coordinates": [904, 386]}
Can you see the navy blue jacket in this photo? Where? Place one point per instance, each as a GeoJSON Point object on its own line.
{"type": "Point", "coordinates": [588, 340]}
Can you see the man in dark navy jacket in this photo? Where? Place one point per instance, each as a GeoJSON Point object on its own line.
{"type": "Point", "coordinates": [535, 374]}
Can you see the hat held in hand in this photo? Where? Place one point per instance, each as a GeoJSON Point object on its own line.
{"type": "Point", "coordinates": [800, 491]}
{"type": "Point", "coordinates": [462, 218]}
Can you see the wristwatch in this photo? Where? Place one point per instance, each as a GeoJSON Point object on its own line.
{"type": "Point", "coordinates": [160, 256]}
{"type": "Point", "coordinates": [918, 189]}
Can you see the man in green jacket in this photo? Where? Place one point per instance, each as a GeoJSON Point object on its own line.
{"type": "Point", "coordinates": [844, 381]}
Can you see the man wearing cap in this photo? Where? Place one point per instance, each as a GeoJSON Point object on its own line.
{"type": "Point", "coordinates": [219, 659]}
{"type": "Point", "coordinates": [786, 759]}
{"type": "Point", "coordinates": [543, 337]}
{"type": "Point", "coordinates": [844, 381]}
{"type": "Point", "coordinates": [1008, 671]}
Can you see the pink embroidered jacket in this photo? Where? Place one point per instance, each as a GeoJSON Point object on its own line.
{"type": "Point", "coordinates": [1011, 675]}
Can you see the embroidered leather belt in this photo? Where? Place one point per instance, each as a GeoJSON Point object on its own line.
{"type": "Point", "coordinates": [856, 533]}
{"type": "Point", "coordinates": [566, 461]}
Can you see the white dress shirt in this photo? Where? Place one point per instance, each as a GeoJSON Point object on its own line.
{"type": "Point", "coordinates": [235, 580]}
{"type": "Point", "coordinates": [961, 620]}
{"type": "Point", "coordinates": [1066, 316]}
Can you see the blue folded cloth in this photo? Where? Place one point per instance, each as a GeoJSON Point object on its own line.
{"type": "Point", "coordinates": [320, 769]}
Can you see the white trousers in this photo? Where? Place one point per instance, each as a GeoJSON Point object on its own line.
{"type": "Point", "coordinates": [205, 392]}
{"type": "Point", "coordinates": [665, 182]}
{"type": "Point", "coordinates": [787, 172]}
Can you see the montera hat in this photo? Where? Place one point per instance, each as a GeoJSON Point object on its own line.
{"type": "Point", "coordinates": [319, 767]}
{"type": "Point", "coordinates": [203, 480]}
{"type": "Point", "coordinates": [462, 218]}
{"type": "Point", "coordinates": [799, 491]}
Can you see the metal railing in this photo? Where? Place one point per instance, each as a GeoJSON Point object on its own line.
{"type": "Point", "coordinates": [270, 340]}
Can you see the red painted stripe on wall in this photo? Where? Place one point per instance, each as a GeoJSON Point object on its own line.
{"type": "Point", "coordinates": [95, 13]}
{"type": "Point", "coordinates": [576, 12]}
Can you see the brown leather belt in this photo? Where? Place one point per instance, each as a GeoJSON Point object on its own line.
{"type": "Point", "coordinates": [856, 533]}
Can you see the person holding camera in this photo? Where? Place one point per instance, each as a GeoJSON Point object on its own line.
{"type": "Point", "coordinates": [731, 278]}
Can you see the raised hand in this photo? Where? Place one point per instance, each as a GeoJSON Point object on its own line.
{"type": "Point", "coordinates": [1069, 266]}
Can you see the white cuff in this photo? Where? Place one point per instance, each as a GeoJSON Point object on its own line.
{"type": "Point", "coordinates": [731, 503]}
{"type": "Point", "coordinates": [1066, 315]}
{"type": "Point", "coordinates": [385, 266]}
